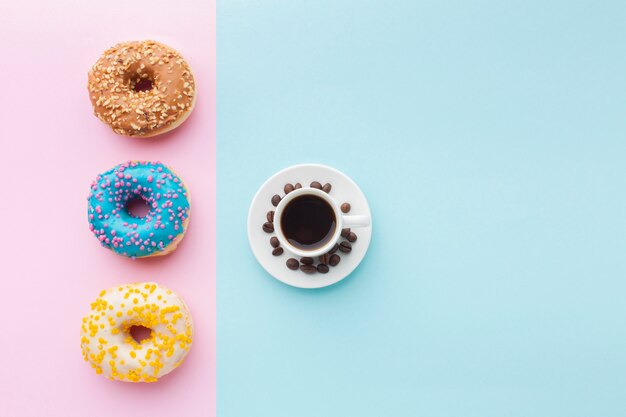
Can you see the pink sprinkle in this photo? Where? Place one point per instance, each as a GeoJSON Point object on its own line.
{"type": "Point", "coordinates": [150, 178]}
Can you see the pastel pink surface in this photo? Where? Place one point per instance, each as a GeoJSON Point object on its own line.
{"type": "Point", "coordinates": [51, 148]}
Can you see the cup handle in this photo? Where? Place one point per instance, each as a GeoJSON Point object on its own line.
{"type": "Point", "coordinates": [355, 221]}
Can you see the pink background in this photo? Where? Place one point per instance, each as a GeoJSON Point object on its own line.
{"type": "Point", "coordinates": [52, 147]}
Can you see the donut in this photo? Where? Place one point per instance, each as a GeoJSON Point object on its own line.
{"type": "Point", "coordinates": [141, 88]}
{"type": "Point", "coordinates": [107, 343]}
{"type": "Point", "coordinates": [157, 233]}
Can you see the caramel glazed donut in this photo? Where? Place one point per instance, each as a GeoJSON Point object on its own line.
{"type": "Point", "coordinates": [109, 347]}
{"type": "Point", "coordinates": [142, 88]}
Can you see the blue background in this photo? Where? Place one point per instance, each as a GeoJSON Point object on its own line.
{"type": "Point", "coordinates": [489, 139]}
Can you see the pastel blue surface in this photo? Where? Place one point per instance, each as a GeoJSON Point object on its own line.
{"type": "Point", "coordinates": [489, 137]}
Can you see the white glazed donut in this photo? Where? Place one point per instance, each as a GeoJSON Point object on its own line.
{"type": "Point", "coordinates": [108, 345]}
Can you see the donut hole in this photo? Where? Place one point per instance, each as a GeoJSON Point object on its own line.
{"type": "Point", "coordinates": [143, 84]}
{"type": "Point", "coordinates": [140, 333]}
{"type": "Point", "coordinates": [137, 206]}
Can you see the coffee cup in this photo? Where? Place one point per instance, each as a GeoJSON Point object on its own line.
{"type": "Point", "coordinates": [308, 222]}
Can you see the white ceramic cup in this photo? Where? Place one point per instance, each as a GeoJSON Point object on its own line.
{"type": "Point", "coordinates": [342, 221]}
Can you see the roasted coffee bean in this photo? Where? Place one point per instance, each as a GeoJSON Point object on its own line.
{"type": "Point", "coordinates": [324, 258]}
{"type": "Point", "coordinates": [326, 188]}
{"type": "Point", "coordinates": [351, 237]}
{"type": "Point", "coordinates": [316, 184]}
{"type": "Point", "coordinates": [293, 264]}
{"type": "Point", "coordinates": [306, 260]}
{"type": "Point", "coordinates": [298, 185]}
{"type": "Point", "coordinates": [275, 200]}
{"type": "Point", "coordinates": [308, 269]}
{"type": "Point", "coordinates": [274, 242]}
{"type": "Point", "coordinates": [345, 247]}
{"type": "Point", "coordinates": [334, 249]}
{"type": "Point", "coordinates": [322, 268]}
{"type": "Point", "coordinates": [334, 260]}
{"type": "Point", "coordinates": [288, 188]}
{"type": "Point", "coordinates": [345, 232]}
{"type": "Point", "coordinates": [277, 251]}
{"type": "Point", "coordinates": [268, 227]}
{"type": "Point", "coordinates": [345, 207]}
{"type": "Point", "coordinates": [270, 216]}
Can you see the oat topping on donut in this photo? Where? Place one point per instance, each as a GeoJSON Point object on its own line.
{"type": "Point", "coordinates": [141, 88]}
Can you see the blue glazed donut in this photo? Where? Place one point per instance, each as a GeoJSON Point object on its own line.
{"type": "Point", "coordinates": [160, 231]}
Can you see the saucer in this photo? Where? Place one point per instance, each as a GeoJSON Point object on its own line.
{"type": "Point", "coordinates": [343, 190]}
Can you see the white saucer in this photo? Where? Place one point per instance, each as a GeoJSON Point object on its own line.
{"type": "Point", "coordinates": [343, 190]}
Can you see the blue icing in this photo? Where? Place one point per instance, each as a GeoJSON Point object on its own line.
{"type": "Point", "coordinates": [117, 229]}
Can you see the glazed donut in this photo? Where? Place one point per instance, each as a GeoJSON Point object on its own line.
{"type": "Point", "coordinates": [108, 345]}
{"type": "Point", "coordinates": [160, 231]}
{"type": "Point", "coordinates": [141, 88]}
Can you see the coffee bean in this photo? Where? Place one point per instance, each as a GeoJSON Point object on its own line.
{"type": "Point", "coordinates": [345, 232]}
{"type": "Point", "coordinates": [297, 186]}
{"type": "Point", "coordinates": [274, 242]}
{"type": "Point", "coordinates": [334, 249]}
{"type": "Point", "coordinates": [324, 258]}
{"type": "Point", "coordinates": [334, 260]}
{"type": "Point", "coordinates": [316, 184]}
{"type": "Point", "coordinates": [306, 260]}
{"type": "Point", "coordinates": [270, 216]}
{"type": "Point", "coordinates": [351, 237]}
{"type": "Point", "coordinates": [293, 264]}
{"type": "Point", "coordinates": [275, 200]}
{"type": "Point", "coordinates": [345, 207]}
{"type": "Point", "coordinates": [277, 251]}
{"type": "Point", "coordinates": [288, 188]}
{"type": "Point", "coordinates": [345, 247]}
{"type": "Point", "coordinates": [326, 188]}
{"type": "Point", "coordinates": [268, 227]}
{"type": "Point", "coordinates": [322, 268]}
{"type": "Point", "coordinates": [308, 269]}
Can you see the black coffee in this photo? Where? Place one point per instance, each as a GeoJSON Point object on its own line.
{"type": "Point", "coordinates": [308, 222]}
